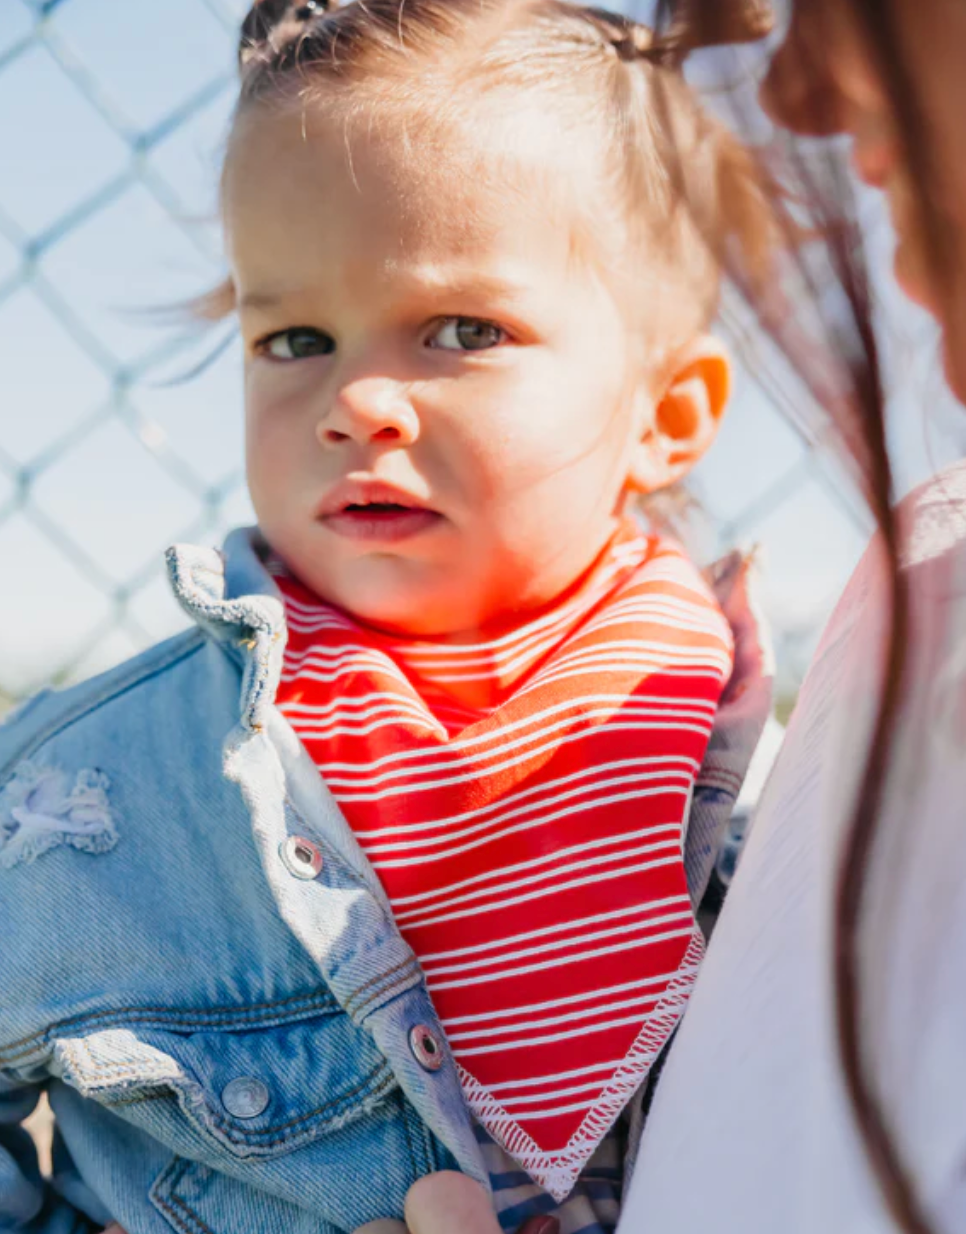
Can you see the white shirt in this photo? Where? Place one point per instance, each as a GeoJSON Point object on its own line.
{"type": "Point", "coordinates": [750, 1130]}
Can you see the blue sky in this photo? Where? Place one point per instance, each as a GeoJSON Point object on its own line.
{"type": "Point", "coordinates": [111, 124]}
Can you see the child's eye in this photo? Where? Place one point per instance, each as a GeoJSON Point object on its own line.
{"type": "Point", "coordinates": [467, 334]}
{"type": "Point", "coordinates": [299, 343]}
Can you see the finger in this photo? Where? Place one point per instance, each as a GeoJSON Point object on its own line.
{"type": "Point", "coordinates": [450, 1203]}
{"type": "Point", "coordinates": [384, 1225]}
{"type": "Point", "coordinates": [115, 1229]}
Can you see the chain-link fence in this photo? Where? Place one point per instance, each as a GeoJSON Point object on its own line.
{"type": "Point", "coordinates": [111, 122]}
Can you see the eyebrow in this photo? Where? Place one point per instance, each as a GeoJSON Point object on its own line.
{"type": "Point", "coordinates": [264, 299]}
{"type": "Point", "coordinates": [482, 284]}
{"type": "Point", "coordinates": [467, 285]}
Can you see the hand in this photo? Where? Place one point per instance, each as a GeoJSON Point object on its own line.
{"type": "Point", "coordinates": [438, 1204]}
{"type": "Point", "coordinates": [451, 1203]}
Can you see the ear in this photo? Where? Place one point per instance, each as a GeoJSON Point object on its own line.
{"type": "Point", "coordinates": [686, 417]}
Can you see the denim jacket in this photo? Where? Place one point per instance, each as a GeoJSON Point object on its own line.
{"type": "Point", "coordinates": [198, 964]}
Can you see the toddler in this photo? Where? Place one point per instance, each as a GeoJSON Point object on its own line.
{"type": "Point", "coordinates": [389, 865]}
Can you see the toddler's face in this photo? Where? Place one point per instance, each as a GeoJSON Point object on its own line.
{"type": "Point", "coordinates": [442, 395]}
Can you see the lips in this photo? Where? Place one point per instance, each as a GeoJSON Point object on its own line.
{"type": "Point", "coordinates": [373, 511]}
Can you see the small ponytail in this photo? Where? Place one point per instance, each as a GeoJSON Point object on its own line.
{"type": "Point", "coordinates": [274, 24]}
{"type": "Point", "coordinates": [690, 28]}
{"type": "Point", "coordinates": [695, 23]}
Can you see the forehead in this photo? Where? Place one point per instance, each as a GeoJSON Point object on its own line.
{"type": "Point", "coordinates": [302, 184]}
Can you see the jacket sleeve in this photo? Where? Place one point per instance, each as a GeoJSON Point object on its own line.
{"type": "Point", "coordinates": [28, 1202]}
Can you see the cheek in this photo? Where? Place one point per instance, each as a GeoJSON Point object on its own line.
{"type": "Point", "coordinates": [853, 69]}
{"type": "Point", "coordinates": [274, 446]}
{"type": "Point", "coordinates": [589, 412]}
{"type": "Point", "coordinates": [933, 39]}
{"type": "Point", "coordinates": [553, 417]}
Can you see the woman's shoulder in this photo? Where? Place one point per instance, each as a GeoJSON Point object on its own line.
{"type": "Point", "coordinates": [86, 705]}
{"type": "Point", "coordinates": [933, 517]}
{"type": "Point", "coordinates": [840, 695]}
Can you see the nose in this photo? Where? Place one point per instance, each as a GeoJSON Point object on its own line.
{"type": "Point", "coordinates": [798, 97]}
{"type": "Point", "coordinates": [800, 91]}
{"type": "Point", "coordinates": [370, 409]}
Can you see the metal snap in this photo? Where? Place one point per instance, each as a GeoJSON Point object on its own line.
{"type": "Point", "coordinates": [426, 1047]}
{"type": "Point", "coordinates": [245, 1097]}
{"type": "Point", "coordinates": [301, 858]}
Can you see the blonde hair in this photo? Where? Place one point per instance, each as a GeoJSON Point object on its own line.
{"type": "Point", "coordinates": [676, 183]}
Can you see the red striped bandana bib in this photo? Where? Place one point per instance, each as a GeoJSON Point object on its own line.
{"type": "Point", "coordinates": [523, 802]}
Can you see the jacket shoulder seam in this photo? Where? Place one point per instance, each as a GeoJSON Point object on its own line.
{"type": "Point", "coordinates": [138, 673]}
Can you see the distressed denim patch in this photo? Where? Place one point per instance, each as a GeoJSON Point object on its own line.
{"type": "Point", "coordinates": [40, 809]}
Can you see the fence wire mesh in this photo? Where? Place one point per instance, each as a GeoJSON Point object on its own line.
{"type": "Point", "coordinates": [111, 121]}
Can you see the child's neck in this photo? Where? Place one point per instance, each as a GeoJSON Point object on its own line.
{"type": "Point", "coordinates": [480, 669]}
{"type": "Point", "coordinates": [474, 671]}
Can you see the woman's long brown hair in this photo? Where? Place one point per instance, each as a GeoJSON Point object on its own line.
{"type": "Point", "coordinates": [846, 343]}
{"type": "Point", "coordinates": [879, 29]}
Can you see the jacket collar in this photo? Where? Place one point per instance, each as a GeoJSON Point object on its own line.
{"type": "Point", "coordinates": [234, 599]}
{"type": "Point", "coordinates": [231, 595]}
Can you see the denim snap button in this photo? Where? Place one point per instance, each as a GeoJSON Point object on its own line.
{"type": "Point", "coordinates": [301, 858]}
{"type": "Point", "coordinates": [245, 1097]}
{"type": "Point", "coordinates": [426, 1047]}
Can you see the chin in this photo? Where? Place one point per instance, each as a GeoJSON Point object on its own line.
{"type": "Point", "coordinates": [909, 276]}
{"type": "Point", "coordinates": [396, 615]}
{"type": "Point", "coordinates": [954, 365]}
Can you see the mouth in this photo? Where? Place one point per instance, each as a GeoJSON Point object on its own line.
{"type": "Point", "coordinates": [376, 512]}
